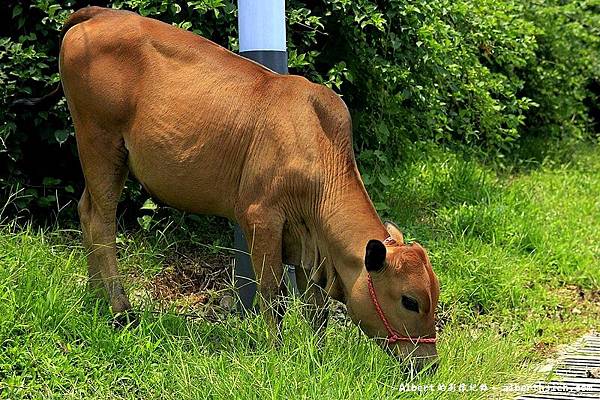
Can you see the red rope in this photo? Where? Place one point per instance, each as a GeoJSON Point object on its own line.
{"type": "Point", "coordinates": [393, 336]}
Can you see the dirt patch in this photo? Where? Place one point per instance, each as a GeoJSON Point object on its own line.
{"type": "Point", "coordinates": [197, 284]}
{"type": "Point", "coordinates": [184, 275]}
{"type": "Point", "coordinates": [576, 303]}
{"type": "Point", "coordinates": [200, 285]}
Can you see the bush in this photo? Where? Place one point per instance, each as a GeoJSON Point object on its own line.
{"type": "Point", "coordinates": [483, 74]}
{"type": "Point", "coordinates": [565, 77]}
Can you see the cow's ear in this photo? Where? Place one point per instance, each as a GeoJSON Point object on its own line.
{"type": "Point", "coordinates": [375, 256]}
{"type": "Point", "coordinates": [395, 232]}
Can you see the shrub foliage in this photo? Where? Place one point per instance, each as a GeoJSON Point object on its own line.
{"type": "Point", "coordinates": [477, 73]}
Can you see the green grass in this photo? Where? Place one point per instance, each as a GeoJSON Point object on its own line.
{"type": "Point", "coordinates": [513, 252]}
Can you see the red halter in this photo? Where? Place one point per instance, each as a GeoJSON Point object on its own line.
{"type": "Point", "coordinates": [393, 335]}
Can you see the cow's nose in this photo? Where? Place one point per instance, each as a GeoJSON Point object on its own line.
{"type": "Point", "coordinates": [413, 364]}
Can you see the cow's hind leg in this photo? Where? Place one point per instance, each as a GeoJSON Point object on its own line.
{"type": "Point", "coordinates": [104, 161]}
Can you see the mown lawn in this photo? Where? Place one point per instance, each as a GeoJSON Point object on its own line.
{"type": "Point", "coordinates": [518, 256]}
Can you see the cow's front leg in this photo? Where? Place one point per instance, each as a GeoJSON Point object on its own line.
{"type": "Point", "coordinates": [263, 230]}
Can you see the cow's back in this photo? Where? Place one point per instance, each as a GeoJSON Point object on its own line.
{"type": "Point", "coordinates": [202, 125]}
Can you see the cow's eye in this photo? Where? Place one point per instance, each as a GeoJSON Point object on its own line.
{"type": "Point", "coordinates": [410, 304]}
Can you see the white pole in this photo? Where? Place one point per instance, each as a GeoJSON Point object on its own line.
{"type": "Point", "coordinates": [261, 28]}
{"type": "Point", "coordinates": [261, 25]}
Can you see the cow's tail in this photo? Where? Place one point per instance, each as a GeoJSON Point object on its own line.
{"type": "Point", "coordinates": [52, 98]}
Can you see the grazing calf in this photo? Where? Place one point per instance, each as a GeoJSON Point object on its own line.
{"type": "Point", "coordinates": [209, 132]}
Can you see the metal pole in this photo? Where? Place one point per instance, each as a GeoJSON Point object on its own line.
{"type": "Point", "coordinates": [261, 28]}
{"type": "Point", "coordinates": [244, 279]}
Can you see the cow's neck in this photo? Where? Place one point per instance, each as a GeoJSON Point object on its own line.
{"type": "Point", "coordinates": [348, 222]}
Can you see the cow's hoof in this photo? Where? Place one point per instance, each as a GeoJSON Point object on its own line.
{"type": "Point", "coordinates": [126, 319]}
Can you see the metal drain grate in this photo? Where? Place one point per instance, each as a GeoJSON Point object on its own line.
{"type": "Point", "coordinates": [575, 373]}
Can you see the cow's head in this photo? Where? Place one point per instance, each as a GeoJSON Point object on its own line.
{"type": "Point", "coordinates": [406, 290]}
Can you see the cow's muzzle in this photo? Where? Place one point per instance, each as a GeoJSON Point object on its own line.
{"type": "Point", "coordinates": [415, 357]}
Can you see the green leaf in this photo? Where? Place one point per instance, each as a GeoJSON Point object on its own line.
{"type": "Point", "coordinates": [47, 201]}
{"type": "Point", "coordinates": [149, 205]}
{"type": "Point", "coordinates": [145, 221]}
{"type": "Point", "coordinates": [384, 179]}
{"type": "Point", "coordinates": [175, 8]}
{"type": "Point", "coordinates": [49, 181]}
{"type": "Point", "coordinates": [61, 136]}
{"type": "Point", "coordinates": [17, 11]}
{"type": "Point", "coordinates": [383, 133]}
{"type": "Point", "coordinates": [380, 206]}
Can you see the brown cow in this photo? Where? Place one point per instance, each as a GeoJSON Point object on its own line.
{"type": "Point", "coordinates": [207, 131]}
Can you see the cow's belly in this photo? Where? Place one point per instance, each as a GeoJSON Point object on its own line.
{"type": "Point", "coordinates": [190, 171]}
{"type": "Point", "coordinates": [188, 139]}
